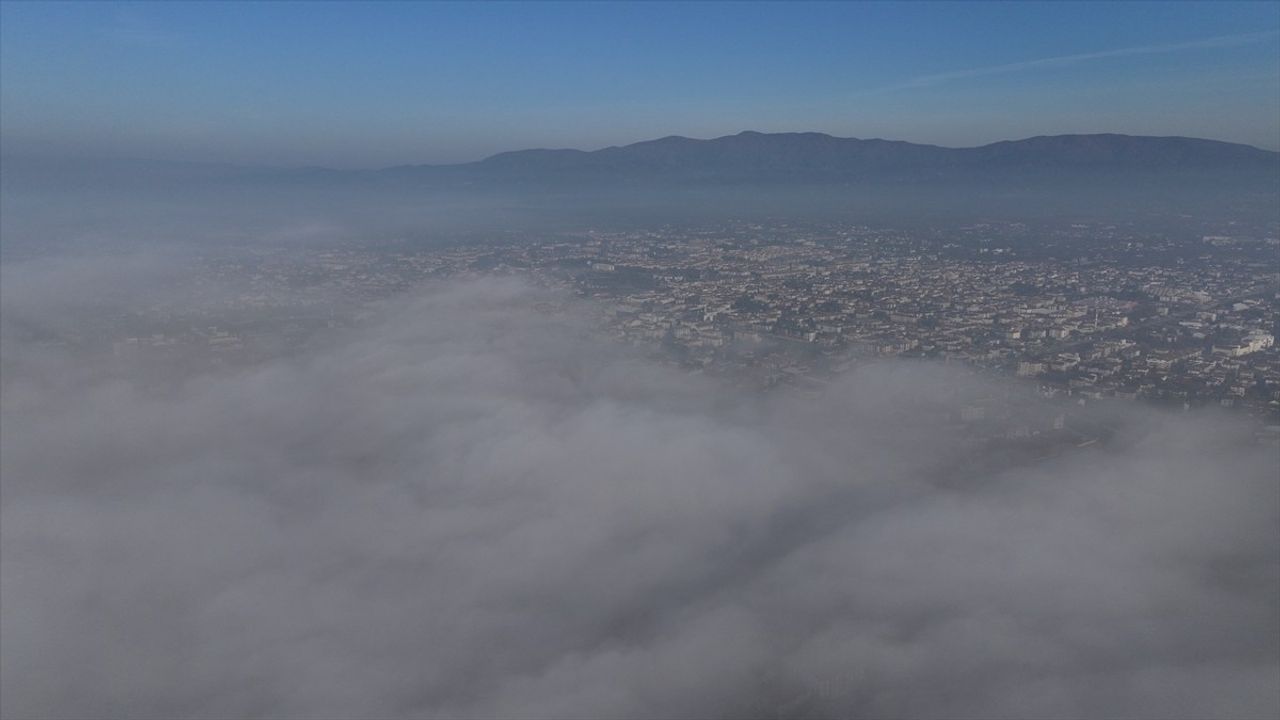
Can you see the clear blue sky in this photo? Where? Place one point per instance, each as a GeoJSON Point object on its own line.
{"type": "Point", "coordinates": [372, 84]}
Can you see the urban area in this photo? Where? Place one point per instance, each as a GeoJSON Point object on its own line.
{"type": "Point", "coordinates": [1081, 312]}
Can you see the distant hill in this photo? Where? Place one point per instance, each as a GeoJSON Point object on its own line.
{"type": "Point", "coordinates": [800, 174]}
{"type": "Point", "coordinates": [747, 156]}
{"type": "Point", "coordinates": [820, 157]}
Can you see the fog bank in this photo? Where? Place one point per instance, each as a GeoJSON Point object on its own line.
{"type": "Point", "coordinates": [471, 507]}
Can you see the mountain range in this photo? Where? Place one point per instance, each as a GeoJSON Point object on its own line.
{"type": "Point", "coordinates": [802, 174]}
{"type": "Point", "coordinates": [818, 157]}
{"type": "Point", "coordinates": [759, 156]}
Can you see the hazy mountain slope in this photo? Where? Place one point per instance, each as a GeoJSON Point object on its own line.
{"type": "Point", "coordinates": [672, 178]}
{"type": "Point", "coordinates": [815, 156]}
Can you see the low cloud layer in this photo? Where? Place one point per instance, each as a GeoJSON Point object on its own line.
{"type": "Point", "coordinates": [473, 508]}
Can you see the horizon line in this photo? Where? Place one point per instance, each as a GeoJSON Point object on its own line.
{"type": "Point", "coordinates": [379, 168]}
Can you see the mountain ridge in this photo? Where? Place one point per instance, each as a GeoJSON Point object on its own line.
{"type": "Point", "coordinates": [807, 175]}
{"type": "Point", "coordinates": [1096, 145]}
{"type": "Point", "coordinates": [755, 153]}
{"type": "Point", "coordinates": [803, 172]}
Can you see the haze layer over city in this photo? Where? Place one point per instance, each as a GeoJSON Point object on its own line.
{"type": "Point", "coordinates": [639, 360]}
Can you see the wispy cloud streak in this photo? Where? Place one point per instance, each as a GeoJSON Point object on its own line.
{"type": "Point", "coordinates": [1059, 61]}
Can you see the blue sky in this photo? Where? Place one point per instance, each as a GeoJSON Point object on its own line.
{"type": "Point", "coordinates": [374, 84]}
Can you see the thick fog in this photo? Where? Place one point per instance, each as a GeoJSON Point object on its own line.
{"type": "Point", "coordinates": [471, 506]}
